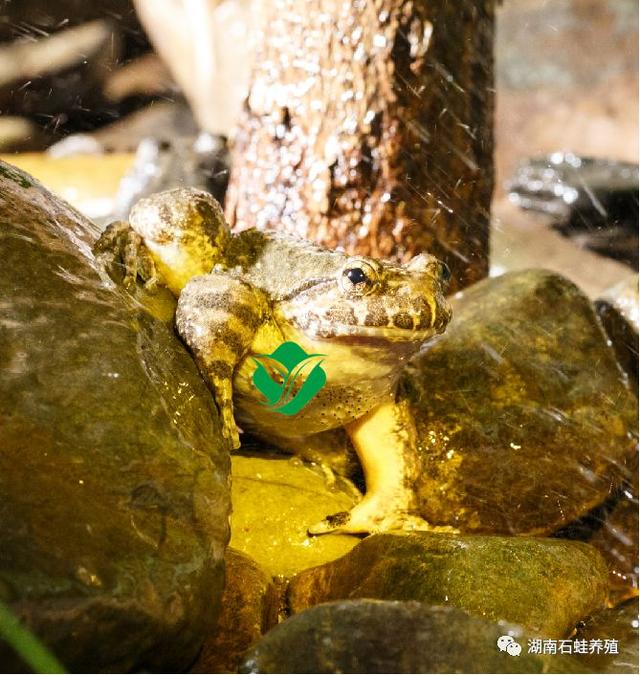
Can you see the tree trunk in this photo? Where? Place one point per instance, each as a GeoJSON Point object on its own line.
{"type": "Point", "coordinates": [369, 126]}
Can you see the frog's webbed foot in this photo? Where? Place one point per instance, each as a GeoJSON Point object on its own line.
{"type": "Point", "coordinates": [121, 253]}
{"type": "Point", "coordinates": [370, 516]}
{"type": "Point", "coordinates": [385, 440]}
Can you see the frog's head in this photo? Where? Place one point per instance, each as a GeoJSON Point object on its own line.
{"type": "Point", "coordinates": [366, 299]}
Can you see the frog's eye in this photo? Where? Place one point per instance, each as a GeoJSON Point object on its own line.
{"type": "Point", "coordinates": [359, 278]}
{"type": "Point", "coordinates": [355, 275]}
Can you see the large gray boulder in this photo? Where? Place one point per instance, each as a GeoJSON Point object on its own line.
{"type": "Point", "coordinates": [114, 495]}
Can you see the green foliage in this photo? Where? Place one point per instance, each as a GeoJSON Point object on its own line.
{"type": "Point", "coordinates": [26, 644]}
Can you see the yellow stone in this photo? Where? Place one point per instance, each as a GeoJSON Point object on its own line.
{"type": "Point", "coordinates": [274, 501]}
{"type": "Point", "coordinates": [88, 182]}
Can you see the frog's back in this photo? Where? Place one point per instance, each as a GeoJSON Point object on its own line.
{"type": "Point", "coordinates": [280, 264]}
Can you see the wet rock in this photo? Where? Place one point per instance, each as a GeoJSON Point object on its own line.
{"type": "Point", "coordinates": [619, 624]}
{"type": "Point", "coordinates": [18, 134]}
{"type": "Point", "coordinates": [524, 417]}
{"type": "Point", "coordinates": [162, 164]}
{"type": "Point", "coordinates": [250, 604]}
{"type": "Point", "coordinates": [274, 501]}
{"type": "Point", "coordinates": [618, 310]}
{"type": "Point", "coordinates": [87, 182]}
{"type": "Point", "coordinates": [372, 636]}
{"type": "Point", "coordinates": [113, 482]}
{"type": "Point", "coordinates": [617, 537]}
{"type": "Point", "coordinates": [61, 72]}
{"type": "Point", "coordinates": [584, 192]}
{"type": "Point", "coordinates": [546, 585]}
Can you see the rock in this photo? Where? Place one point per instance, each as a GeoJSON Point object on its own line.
{"type": "Point", "coordinates": [617, 538]}
{"type": "Point", "coordinates": [167, 119]}
{"type": "Point", "coordinates": [524, 418]}
{"type": "Point", "coordinates": [372, 636]}
{"type": "Point", "coordinates": [619, 313]}
{"type": "Point", "coordinates": [250, 604]}
{"type": "Point", "coordinates": [619, 624]}
{"type": "Point", "coordinates": [87, 182]}
{"type": "Point", "coordinates": [18, 134]}
{"type": "Point", "coordinates": [61, 72]}
{"type": "Point", "coordinates": [163, 164]}
{"type": "Point", "coordinates": [593, 201]}
{"type": "Point", "coordinates": [274, 502]}
{"type": "Point", "coordinates": [545, 585]}
{"type": "Point", "coordinates": [113, 480]}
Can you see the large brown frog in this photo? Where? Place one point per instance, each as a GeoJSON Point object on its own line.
{"type": "Point", "coordinates": [246, 294]}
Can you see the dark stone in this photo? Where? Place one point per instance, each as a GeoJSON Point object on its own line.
{"type": "Point", "coordinates": [114, 495]}
{"type": "Point", "coordinates": [595, 201]}
{"type": "Point", "coordinates": [164, 163]}
{"type": "Point", "coordinates": [524, 418]}
{"type": "Point", "coordinates": [617, 537]}
{"type": "Point", "coordinates": [545, 585]}
{"type": "Point", "coordinates": [619, 624]}
{"type": "Point", "coordinates": [373, 636]}
{"type": "Point", "coordinates": [250, 604]}
{"type": "Point", "coordinates": [618, 311]}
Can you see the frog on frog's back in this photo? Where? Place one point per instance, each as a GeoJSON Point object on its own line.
{"type": "Point", "coordinates": [245, 294]}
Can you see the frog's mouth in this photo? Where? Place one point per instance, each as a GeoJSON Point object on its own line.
{"type": "Point", "coordinates": [325, 330]}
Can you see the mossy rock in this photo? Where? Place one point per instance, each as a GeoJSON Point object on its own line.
{"type": "Point", "coordinates": [374, 636]}
{"type": "Point", "coordinates": [524, 416]}
{"type": "Point", "coordinates": [545, 585]}
{"type": "Point", "coordinates": [114, 495]}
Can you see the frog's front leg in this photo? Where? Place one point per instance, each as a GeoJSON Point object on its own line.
{"type": "Point", "coordinates": [217, 317]}
{"type": "Point", "coordinates": [171, 237]}
{"type": "Point", "coordinates": [121, 252]}
{"type": "Point", "coordinates": [386, 444]}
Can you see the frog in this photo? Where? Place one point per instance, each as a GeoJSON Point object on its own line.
{"type": "Point", "coordinates": [246, 293]}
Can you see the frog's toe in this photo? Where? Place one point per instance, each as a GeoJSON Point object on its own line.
{"type": "Point", "coordinates": [121, 253]}
{"type": "Point", "coordinates": [333, 523]}
{"type": "Point", "coordinates": [359, 521]}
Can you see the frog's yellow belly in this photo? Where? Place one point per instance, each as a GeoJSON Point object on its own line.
{"type": "Point", "coordinates": [359, 377]}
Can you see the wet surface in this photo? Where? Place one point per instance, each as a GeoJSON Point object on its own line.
{"type": "Point", "coordinates": [274, 502]}
{"type": "Point", "coordinates": [524, 417]}
{"type": "Point", "coordinates": [372, 131]}
{"type": "Point", "coordinates": [113, 478]}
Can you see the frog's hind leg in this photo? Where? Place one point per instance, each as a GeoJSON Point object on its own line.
{"type": "Point", "coordinates": [217, 317]}
{"type": "Point", "coordinates": [385, 441]}
{"type": "Point", "coordinates": [331, 451]}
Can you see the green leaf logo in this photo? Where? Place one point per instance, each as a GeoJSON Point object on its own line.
{"type": "Point", "coordinates": [289, 378]}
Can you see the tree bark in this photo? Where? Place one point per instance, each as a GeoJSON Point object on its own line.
{"type": "Point", "coordinates": [369, 126]}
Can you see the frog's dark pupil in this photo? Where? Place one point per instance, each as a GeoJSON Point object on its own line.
{"type": "Point", "coordinates": [356, 275]}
